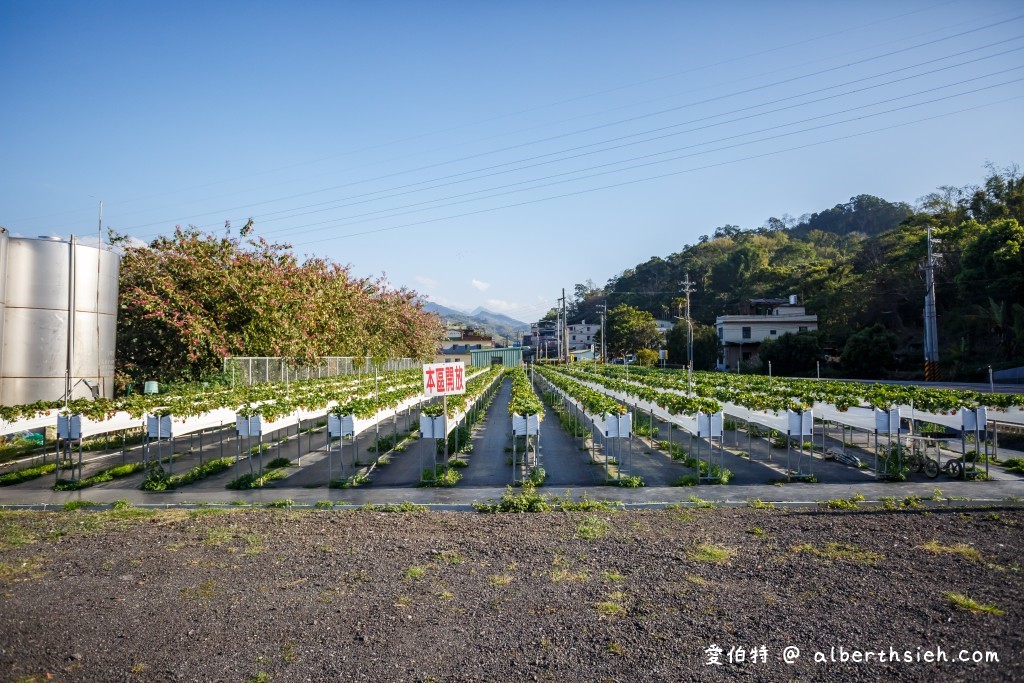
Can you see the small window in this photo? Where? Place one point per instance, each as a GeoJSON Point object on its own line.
{"type": "Point", "coordinates": [803, 328]}
{"type": "Point", "coordinates": [771, 332]}
{"type": "Point", "coordinates": [746, 333]}
{"type": "Point", "coordinates": [721, 333]}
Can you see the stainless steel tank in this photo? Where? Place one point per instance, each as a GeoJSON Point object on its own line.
{"type": "Point", "coordinates": [61, 311]}
{"type": "Point", "coordinates": [3, 299]}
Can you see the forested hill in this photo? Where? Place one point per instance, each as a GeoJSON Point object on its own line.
{"type": "Point", "coordinates": [858, 264]}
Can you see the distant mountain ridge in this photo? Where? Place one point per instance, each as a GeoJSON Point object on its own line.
{"type": "Point", "coordinates": [497, 324]}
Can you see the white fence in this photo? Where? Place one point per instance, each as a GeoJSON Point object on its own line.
{"type": "Point", "coordinates": [246, 370]}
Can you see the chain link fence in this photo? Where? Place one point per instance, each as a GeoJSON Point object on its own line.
{"type": "Point", "coordinates": [247, 370]}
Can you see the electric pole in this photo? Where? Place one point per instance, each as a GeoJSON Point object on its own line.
{"type": "Point", "coordinates": [688, 290]}
{"type": "Point", "coordinates": [931, 331]}
{"type": "Point", "coordinates": [603, 310]}
{"type": "Point", "coordinates": [559, 322]}
{"type": "Point", "coordinates": [565, 326]}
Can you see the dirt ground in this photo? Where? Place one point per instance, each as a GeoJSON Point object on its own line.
{"type": "Point", "coordinates": [327, 595]}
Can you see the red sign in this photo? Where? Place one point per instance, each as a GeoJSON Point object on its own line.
{"type": "Point", "coordinates": [440, 379]}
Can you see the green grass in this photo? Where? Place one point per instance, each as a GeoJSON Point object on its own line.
{"type": "Point", "coordinates": [109, 474]}
{"type": "Point", "coordinates": [710, 553]}
{"type": "Point", "coordinates": [970, 605]}
{"type": "Point", "coordinates": [758, 504]}
{"type": "Point", "coordinates": [441, 476]}
{"type": "Point", "coordinates": [356, 480]}
{"type": "Point", "coordinates": [79, 505]}
{"type": "Point", "coordinates": [610, 608]}
{"type": "Point", "coordinates": [158, 480]}
{"type": "Point", "coordinates": [527, 499]}
{"type": "Point", "coordinates": [280, 462]}
{"type": "Point", "coordinates": [1014, 465]}
{"type": "Point", "coordinates": [26, 474]}
{"type": "Point", "coordinates": [591, 527]}
{"type": "Point", "coordinates": [843, 503]}
{"type": "Point", "coordinates": [633, 482]}
{"type": "Point", "coordinates": [281, 503]}
{"type": "Point", "coordinates": [960, 550]}
{"type": "Point", "coordinates": [842, 552]}
{"type": "Point", "coordinates": [414, 573]}
{"type": "Point", "coordinates": [254, 481]}
{"type": "Point", "coordinates": [393, 507]}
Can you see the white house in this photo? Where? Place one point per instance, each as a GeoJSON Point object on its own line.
{"type": "Point", "coordinates": [581, 336]}
{"type": "Point", "coordinates": [740, 336]}
{"type": "Point", "coordinates": [664, 326]}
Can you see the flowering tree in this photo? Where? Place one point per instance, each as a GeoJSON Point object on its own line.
{"type": "Point", "coordinates": [191, 299]}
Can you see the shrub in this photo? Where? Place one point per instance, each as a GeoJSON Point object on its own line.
{"type": "Point", "coordinates": [279, 462]}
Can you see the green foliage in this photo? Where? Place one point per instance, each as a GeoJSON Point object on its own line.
{"type": "Point", "coordinates": [869, 350]}
{"type": "Point", "coordinates": [591, 527]}
{"type": "Point", "coordinates": [1014, 465]}
{"type": "Point", "coordinates": [191, 298]}
{"type": "Point", "coordinates": [527, 499]}
{"type": "Point", "coordinates": [705, 345]}
{"type": "Point", "coordinates": [537, 476]}
{"type": "Point", "coordinates": [404, 507]}
{"type": "Point", "coordinates": [524, 400]}
{"type": "Point", "coordinates": [440, 475]}
{"type": "Point", "coordinates": [629, 330]}
{"type": "Point", "coordinates": [855, 265]}
{"type": "Point", "coordinates": [73, 505]}
{"type": "Point", "coordinates": [281, 503]}
{"type": "Point", "coordinates": [26, 474]}
{"type": "Point", "coordinates": [254, 481]}
{"type": "Point", "coordinates": [792, 353]}
{"type": "Point", "coordinates": [647, 357]}
{"type": "Point", "coordinates": [356, 480]}
{"type": "Point", "coordinates": [109, 474]}
{"type": "Point", "coordinates": [626, 482]}
{"type": "Point", "coordinates": [280, 462]}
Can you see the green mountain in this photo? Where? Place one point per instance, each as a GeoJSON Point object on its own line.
{"type": "Point", "coordinates": [857, 265]}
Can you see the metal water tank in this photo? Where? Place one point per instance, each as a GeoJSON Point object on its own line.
{"type": "Point", "coordinates": [3, 298]}
{"type": "Point", "coordinates": [61, 311]}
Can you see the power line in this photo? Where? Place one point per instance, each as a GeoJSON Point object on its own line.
{"type": "Point", "coordinates": [264, 218]}
{"type": "Point", "coordinates": [663, 175]}
{"type": "Point", "coordinates": [592, 128]}
{"type": "Point", "coordinates": [501, 189]}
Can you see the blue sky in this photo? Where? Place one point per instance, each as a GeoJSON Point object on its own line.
{"type": "Point", "coordinates": [489, 154]}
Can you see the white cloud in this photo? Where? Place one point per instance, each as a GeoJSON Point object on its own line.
{"type": "Point", "coordinates": [425, 281]}
{"type": "Point", "coordinates": [502, 306]}
{"type": "Point", "coordinates": [482, 286]}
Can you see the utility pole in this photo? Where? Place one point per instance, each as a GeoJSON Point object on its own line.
{"type": "Point", "coordinates": [931, 332]}
{"type": "Point", "coordinates": [603, 309]}
{"type": "Point", "coordinates": [559, 322]}
{"type": "Point", "coordinates": [565, 323]}
{"type": "Point", "coordinates": [688, 290]}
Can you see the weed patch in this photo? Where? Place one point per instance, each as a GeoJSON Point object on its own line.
{"type": "Point", "coordinates": [713, 554]}
{"type": "Point", "coordinates": [967, 604]}
{"type": "Point", "coordinates": [591, 527]}
{"type": "Point", "coordinates": [843, 552]}
{"type": "Point", "coordinates": [960, 549]}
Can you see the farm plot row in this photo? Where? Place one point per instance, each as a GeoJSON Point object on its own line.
{"type": "Point", "coordinates": [350, 406]}
{"type": "Point", "coordinates": [604, 390]}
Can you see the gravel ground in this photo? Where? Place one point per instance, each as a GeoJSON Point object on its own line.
{"type": "Point", "coordinates": [285, 595]}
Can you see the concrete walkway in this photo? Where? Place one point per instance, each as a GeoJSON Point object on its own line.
{"type": "Point", "coordinates": [1010, 491]}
